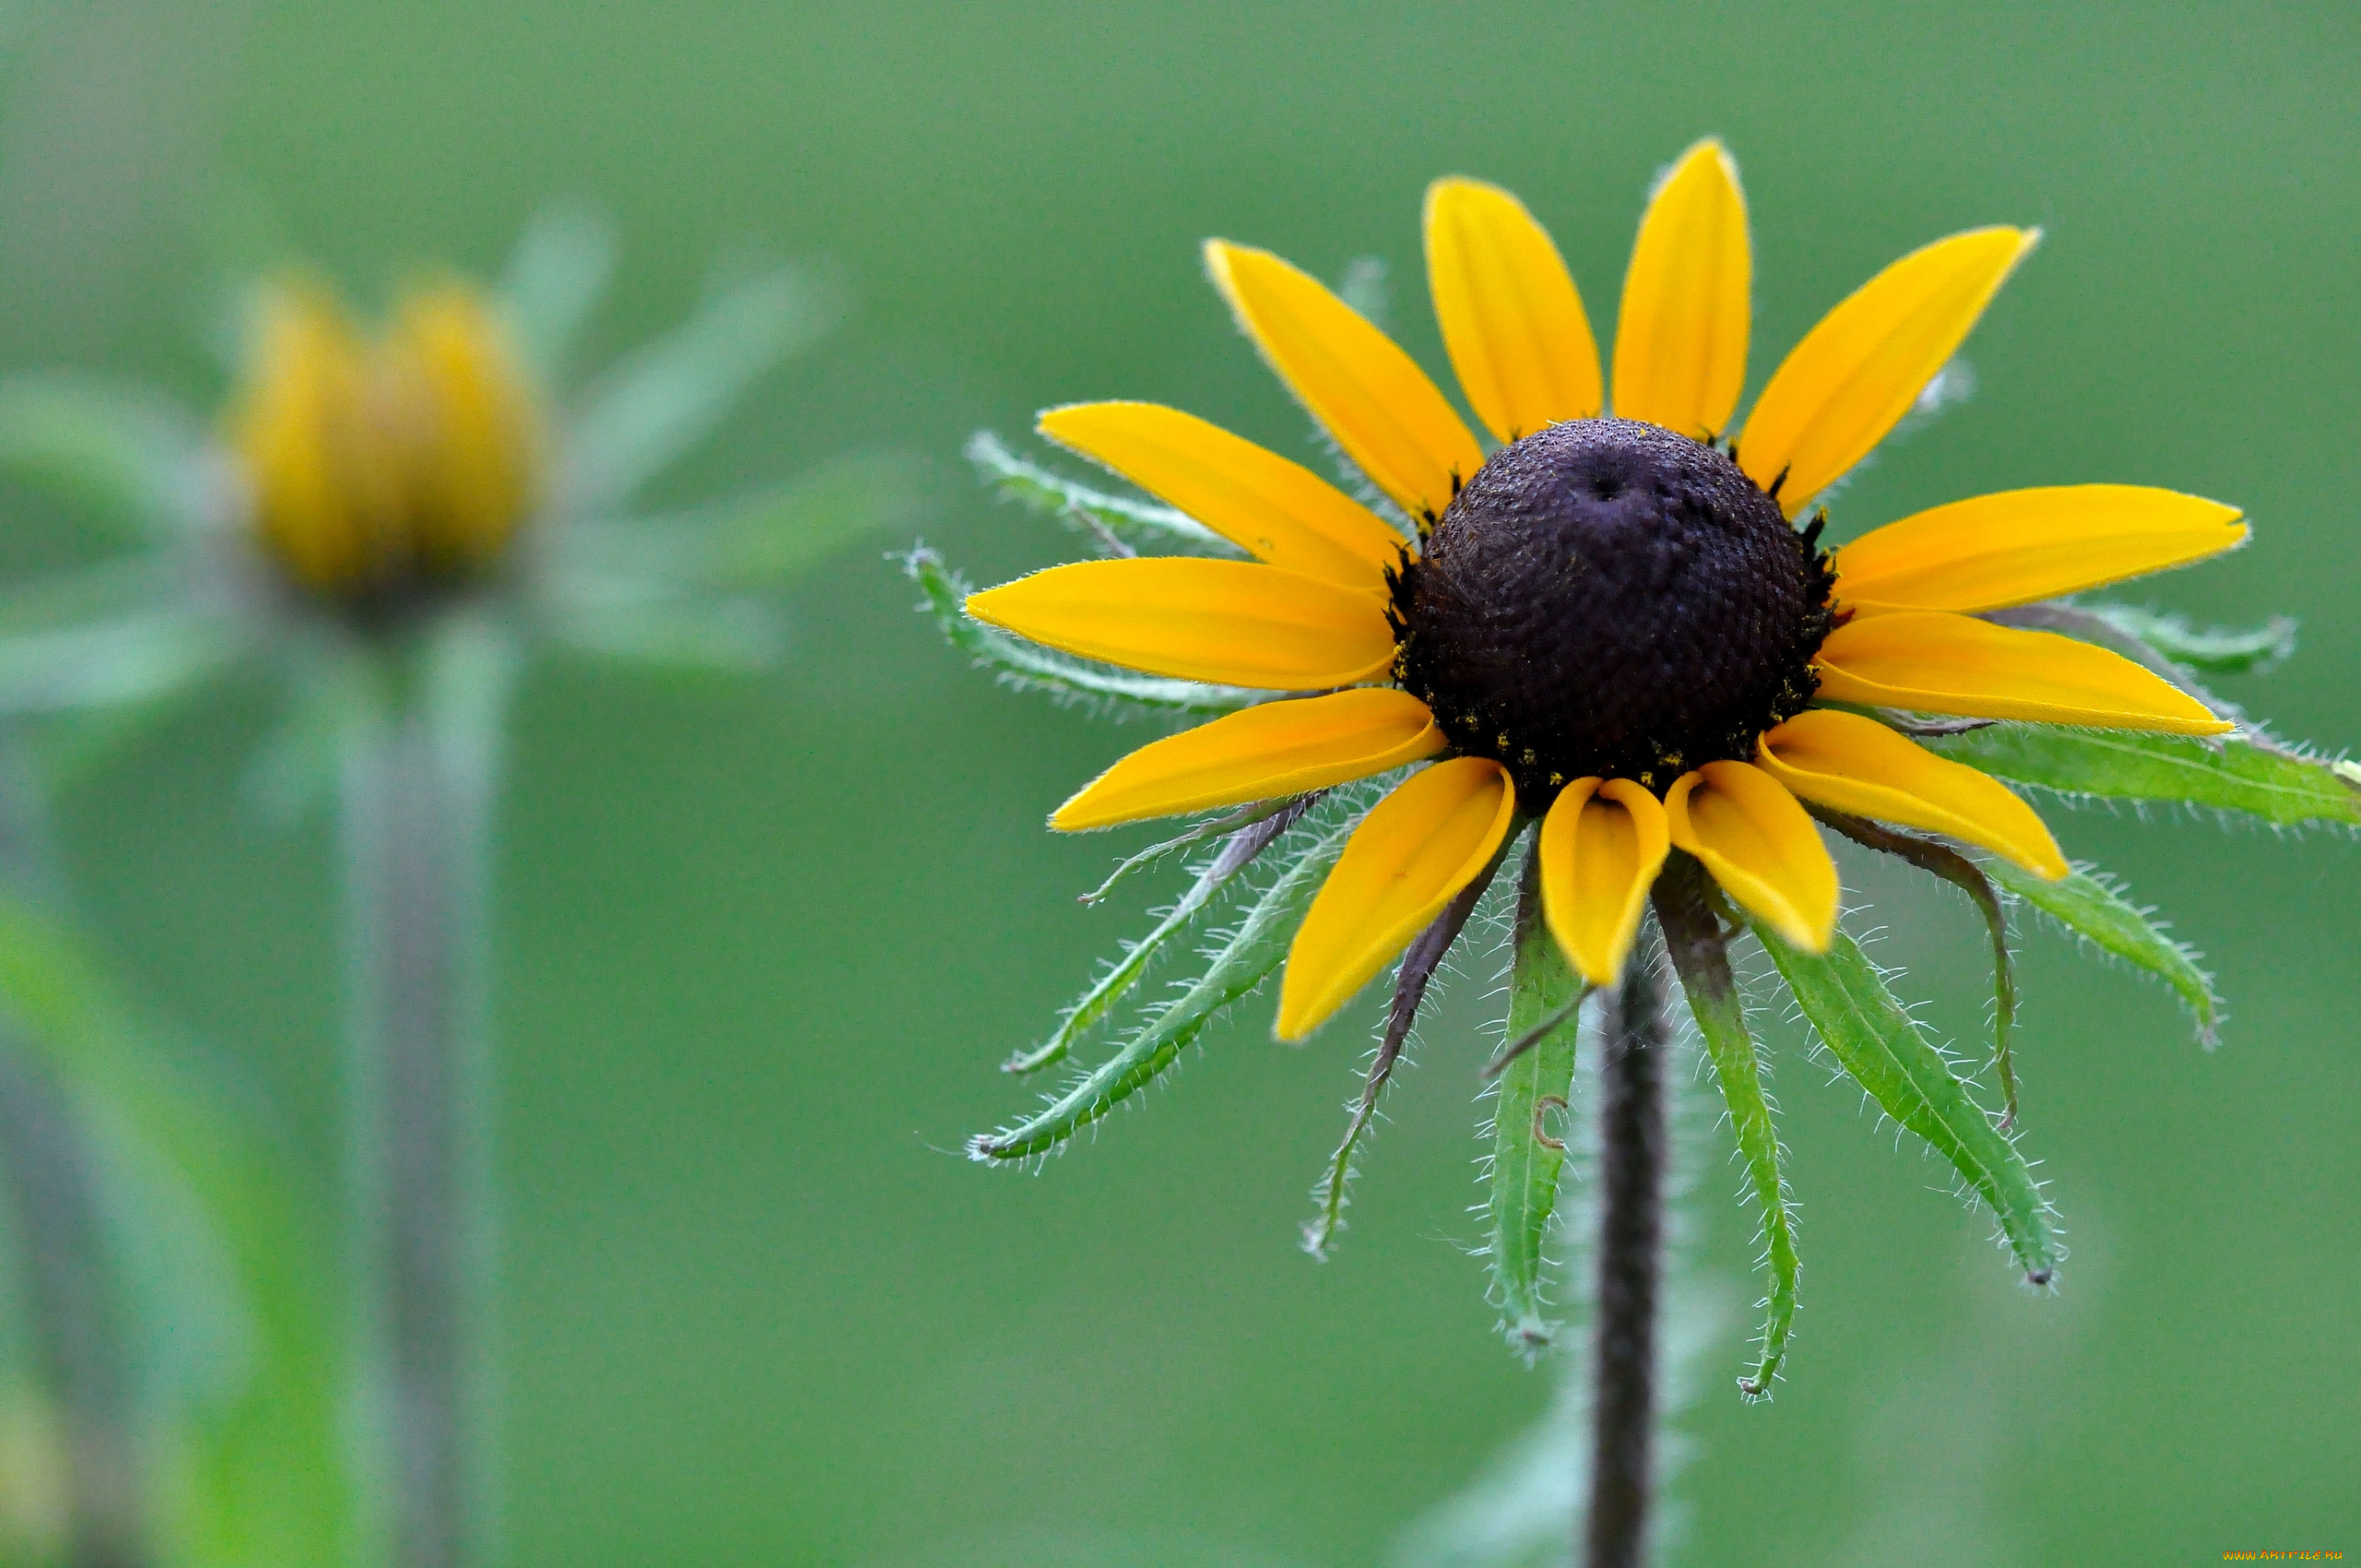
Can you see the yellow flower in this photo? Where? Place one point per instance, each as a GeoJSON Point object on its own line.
{"type": "Point", "coordinates": [1611, 622]}
{"type": "Point", "coordinates": [382, 470]}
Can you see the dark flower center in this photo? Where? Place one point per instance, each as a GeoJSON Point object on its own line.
{"type": "Point", "coordinates": [1606, 597]}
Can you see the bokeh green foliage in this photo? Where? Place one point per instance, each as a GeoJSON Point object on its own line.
{"type": "Point", "coordinates": [765, 942]}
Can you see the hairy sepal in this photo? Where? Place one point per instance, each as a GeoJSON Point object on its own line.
{"type": "Point", "coordinates": [1700, 948]}
{"type": "Point", "coordinates": [1025, 666]}
{"type": "Point", "coordinates": [1120, 524]}
{"type": "Point", "coordinates": [2250, 774]}
{"type": "Point", "coordinates": [1526, 1163]}
{"type": "Point", "coordinates": [2090, 907]}
{"type": "Point", "coordinates": [2210, 650]}
{"type": "Point", "coordinates": [1238, 962]}
{"type": "Point", "coordinates": [1854, 1013]}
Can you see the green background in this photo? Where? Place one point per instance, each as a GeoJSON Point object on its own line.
{"type": "Point", "coordinates": [761, 943]}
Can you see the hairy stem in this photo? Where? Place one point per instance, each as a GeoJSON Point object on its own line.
{"type": "Point", "coordinates": [1631, 1268]}
{"type": "Point", "coordinates": [44, 1162]}
{"type": "Point", "coordinates": [413, 846]}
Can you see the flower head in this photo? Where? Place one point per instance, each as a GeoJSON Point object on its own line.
{"type": "Point", "coordinates": [1609, 623]}
{"type": "Point", "coordinates": [1608, 627]}
{"type": "Point", "coordinates": [386, 469]}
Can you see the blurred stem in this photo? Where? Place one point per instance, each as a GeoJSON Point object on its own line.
{"type": "Point", "coordinates": [414, 834]}
{"type": "Point", "coordinates": [44, 1161]}
{"type": "Point", "coordinates": [1631, 1268]}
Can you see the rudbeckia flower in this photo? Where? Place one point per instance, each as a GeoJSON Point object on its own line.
{"type": "Point", "coordinates": [1608, 624]}
{"type": "Point", "coordinates": [1600, 622]}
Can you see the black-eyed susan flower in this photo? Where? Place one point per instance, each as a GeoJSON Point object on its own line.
{"type": "Point", "coordinates": [395, 515]}
{"type": "Point", "coordinates": [1601, 621]}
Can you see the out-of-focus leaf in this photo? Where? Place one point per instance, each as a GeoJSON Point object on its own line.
{"type": "Point", "coordinates": [2087, 906]}
{"type": "Point", "coordinates": [332, 693]}
{"type": "Point", "coordinates": [2214, 650]}
{"type": "Point", "coordinates": [257, 1457]}
{"type": "Point", "coordinates": [1120, 522]}
{"type": "Point", "coordinates": [1699, 946]}
{"type": "Point", "coordinates": [554, 280]}
{"type": "Point", "coordinates": [2264, 781]}
{"type": "Point", "coordinates": [132, 658]}
{"type": "Point", "coordinates": [689, 633]}
{"type": "Point", "coordinates": [1028, 668]}
{"type": "Point", "coordinates": [660, 401]}
{"type": "Point", "coordinates": [758, 543]}
{"type": "Point", "coordinates": [1522, 1193]}
{"type": "Point", "coordinates": [117, 456]}
{"type": "Point", "coordinates": [1857, 1017]}
{"type": "Point", "coordinates": [1239, 963]}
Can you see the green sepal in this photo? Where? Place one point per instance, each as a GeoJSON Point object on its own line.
{"type": "Point", "coordinates": [2257, 777]}
{"type": "Point", "coordinates": [1525, 1161]}
{"type": "Point", "coordinates": [1116, 520]}
{"type": "Point", "coordinates": [1856, 1016]}
{"type": "Point", "coordinates": [655, 405]}
{"type": "Point", "coordinates": [1030, 668]}
{"type": "Point", "coordinates": [2087, 907]}
{"type": "Point", "coordinates": [554, 277]}
{"type": "Point", "coordinates": [1239, 963]}
{"type": "Point", "coordinates": [1110, 987]}
{"type": "Point", "coordinates": [118, 457]}
{"type": "Point", "coordinates": [1699, 944]}
{"type": "Point", "coordinates": [2214, 650]}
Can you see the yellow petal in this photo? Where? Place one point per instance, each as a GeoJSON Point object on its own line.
{"type": "Point", "coordinates": [475, 429]}
{"type": "Point", "coordinates": [1235, 623]}
{"type": "Point", "coordinates": [1861, 368]}
{"type": "Point", "coordinates": [1410, 856]}
{"type": "Point", "coordinates": [1936, 662]}
{"type": "Point", "coordinates": [1376, 402]}
{"type": "Point", "coordinates": [1258, 753]}
{"type": "Point", "coordinates": [1857, 765]}
{"type": "Point", "coordinates": [2024, 545]}
{"type": "Point", "coordinates": [1259, 501]}
{"type": "Point", "coordinates": [1761, 846]}
{"type": "Point", "coordinates": [1601, 846]}
{"type": "Point", "coordinates": [1680, 336]}
{"type": "Point", "coordinates": [1510, 314]}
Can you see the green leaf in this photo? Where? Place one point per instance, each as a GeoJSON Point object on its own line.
{"type": "Point", "coordinates": [1525, 1160]}
{"type": "Point", "coordinates": [2215, 650]}
{"type": "Point", "coordinates": [1857, 1017]}
{"type": "Point", "coordinates": [1025, 666]}
{"type": "Point", "coordinates": [1095, 1003]}
{"type": "Point", "coordinates": [2257, 777]}
{"type": "Point", "coordinates": [117, 456]}
{"type": "Point", "coordinates": [140, 657]}
{"type": "Point", "coordinates": [1699, 946]}
{"type": "Point", "coordinates": [231, 1270]}
{"type": "Point", "coordinates": [1239, 963]}
{"type": "Point", "coordinates": [554, 278]}
{"type": "Point", "coordinates": [2087, 906]}
{"type": "Point", "coordinates": [753, 544]}
{"type": "Point", "coordinates": [656, 404]}
{"type": "Point", "coordinates": [1121, 523]}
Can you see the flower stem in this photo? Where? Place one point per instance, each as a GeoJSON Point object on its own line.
{"type": "Point", "coordinates": [1631, 1268]}
{"type": "Point", "coordinates": [44, 1162]}
{"type": "Point", "coordinates": [413, 840]}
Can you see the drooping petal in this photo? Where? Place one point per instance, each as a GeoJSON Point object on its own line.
{"type": "Point", "coordinates": [2024, 545]}
{"type": "Point", "coordinates": [1234, 623]}
{"type": "Point", "coordinates": [1856, 764]}
{"type": "Point", "coordinates": [1511, 315]}
{"type": "Point", "coordinates": [1601, 847]}
{"type": "Point", "coordinates": [1936, 662]}
{"type": "Point", "coordinates": [1410, 856]}
{"type": "Point", "coordinates": [1680, 336]}
{"type": "Point", "coordinates": [1857, 372]}
{"type": "Point", "coordinates": [1760, 847]}
{"type": "Point", "coordinates": [1370, 395]}
{"type": "Point", "coordinates": [1278, 511]}
{"type": "Point", "coordinates": [1258, 753]}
